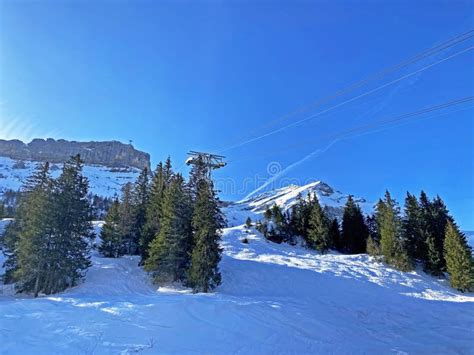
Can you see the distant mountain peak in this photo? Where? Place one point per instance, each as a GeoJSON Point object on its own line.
{"type": "Point", "coordinates": [286, 197]}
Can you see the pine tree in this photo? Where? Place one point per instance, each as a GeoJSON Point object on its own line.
{"type": "Point", "coordinates": [441, 218]}
{"type": "Point", "coordinates": [373, 247]}
{"type": "Point", "coordinates": [9, 243]}
{"type": "Point", "coordinates": [11, 237]}
{"type": "Point", "coordinates": [278, 218]}
{"type": "Point", "coordinates": [262, 227]}
{"type": "Point", "coordinates": [299, 217]}
{"type": "Point", "coordinates": [434, 260]}
{"type": "Point", "coordinates": [248, 223]}
{"type": "Point", "coordinates": [318, 233]}
{"type": "Point", "coordinates": [73, 228]}
{"type": "Point", "coordinates": [373, 241]}
{"type": "Point", "coordinates": [403, 261]}
{"type": "Point", "coordinates": [335, 234]}
{"type": "Point", "coordinates": [127, 220]}
{"type": "Point", "coordinates": [199, 171]}
{"type": "Point", "coordinates": [168, 173]}
{"type": "Point", "coordinates": [459, 260]}
{"type": "Point", "coordinates": [32, 233]}
{"type": "Point", "coordinates": [372, 228]}
{"type": "Point", "coordinates": [140, 195]}
{"type": "Point", "coordinates": [434, 218]}
{"type": "Point", "coordinates": [268, 214]}
{"type": "Point", "coordinates": [388, 220]}
{"type": "Point", "coordinates": [276, 225]}
{"type": "Point", "coordinates": [208, 221]}
{"type": "Point", "coordinates": [393, 246]}
{"type": "Point", "coordinates": [49, 238]}
{"type": "Point", "coordinates": [112, 245]}
{"type": "Point", "coordinates": [412, 228]}
{"type": "Point", "coordinates": [170, 250]}
{"type": "Point", "coordinates": [354, 230]}
{"type": "Point", "coordinates": [154, 210]}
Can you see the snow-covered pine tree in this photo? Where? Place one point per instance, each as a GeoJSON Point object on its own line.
{"type": "Point", "coordinates": [459, 261]}
{"type": "Point", "coordinates": [318, 232]}
{"type": "Point", "coordinates": [354, 230]}
{"type": "Point", "coordinates": [112, 245]}
{"type": "Point", "coordinates": [169, 252]}
{"type": "Point", "coordinates": [208, 221]}
{"type": "Point", "coordinates": [73, 228]}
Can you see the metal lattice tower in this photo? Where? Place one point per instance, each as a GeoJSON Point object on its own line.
{"type": "Point", "coordinates": [210, 161]}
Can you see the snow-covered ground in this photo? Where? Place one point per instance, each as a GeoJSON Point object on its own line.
{"type": "Point", "coordinates": [275, 299]}
{"type": "Point", "coordinates": [103, 181]}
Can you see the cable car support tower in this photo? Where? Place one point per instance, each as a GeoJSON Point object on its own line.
{"type": "Point", "coordinates": [208, 161]}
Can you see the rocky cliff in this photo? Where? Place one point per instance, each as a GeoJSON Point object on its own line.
{"type": "Point", "coordinates": [111, 154]}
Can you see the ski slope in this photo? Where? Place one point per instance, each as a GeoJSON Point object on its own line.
{"type": "Point", "coordinates": [275, 299]}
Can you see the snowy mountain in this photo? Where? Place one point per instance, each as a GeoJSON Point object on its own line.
{"type": "Point", "coordinates": [274, 299]}
{"type": "Point", "coordinates": [108, 165]}
{"type": "Point", "coordinates": [103, 181]}
{"type": "Point", "coordinates": [286, 198]}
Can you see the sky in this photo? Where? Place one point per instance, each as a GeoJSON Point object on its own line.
{"type": "Point", "coordinates": [220, 76]}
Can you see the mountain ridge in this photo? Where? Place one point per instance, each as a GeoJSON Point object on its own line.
{"type": "Point", "coordinates": [112, 154]}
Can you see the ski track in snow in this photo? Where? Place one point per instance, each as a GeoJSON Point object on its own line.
{"type": "Point", "coordinates": [275, 299]}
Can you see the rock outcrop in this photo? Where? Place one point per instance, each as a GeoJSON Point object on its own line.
{"type": "Point", "coordinates": [111, 153]}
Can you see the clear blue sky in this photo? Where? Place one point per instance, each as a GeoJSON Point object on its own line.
{"type": "Point", "coordinates": [182, 75]}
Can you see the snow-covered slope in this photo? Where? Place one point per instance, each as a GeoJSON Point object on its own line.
{"type": "Point", "coordinates": [275, 299]}
{"type": "Point", "coordinates": [103, 181]}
